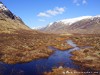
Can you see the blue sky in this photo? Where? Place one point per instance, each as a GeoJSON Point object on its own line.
{"type": "Point", "coordinates": [37, 13]}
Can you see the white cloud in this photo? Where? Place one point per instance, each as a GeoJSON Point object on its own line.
{"type": "Point", "coordinates": [75, 1]}
{"type": "Point", "coordinates": [53, 12]}
{"type": "Point", "coordinates": [56, 11]}
{"type": "Point", "coordinates": [36, 28]}
{"type": "Point", "coordinates": [79, 2]}
{"type": "Point", "coordinates": [42, 14]}
{"type": "Point", "coordinates": [84, 2]}
{"type": "Point", "coordinates": [42, 20]}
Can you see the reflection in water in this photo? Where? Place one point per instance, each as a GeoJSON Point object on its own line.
{"type": "Point", "coordinates": [70, 42]}
{"type": "Point", "coordinates": [2, 68]}
{"type": "Point", "coordinates": [37, 67]}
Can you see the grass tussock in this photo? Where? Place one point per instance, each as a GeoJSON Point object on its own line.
{"type": "Point", "coordinates": [63, 71]}
{"type": "Point", "coordinates": [26, 45]}
{"type": "Point", "coordinates": [88, 57]}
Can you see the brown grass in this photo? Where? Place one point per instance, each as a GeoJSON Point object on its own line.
{"type": "Point", "coordinates": [26, 45]}
{"type": "Point", "coordinates": [88, 57]}
{"type": "Point", "coordinates": [63, 71]}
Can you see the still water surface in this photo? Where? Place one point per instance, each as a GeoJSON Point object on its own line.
{"type": "Point", "coordinates": [37, 67]}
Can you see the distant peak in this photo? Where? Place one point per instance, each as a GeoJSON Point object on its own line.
{"type": "Point", "coordinates": [50, 24]}
{"type": "Point", "coordinates": [97, 16]}
{"type": "Point", "coordinates": [70, 21]}
{"type": "Point", "coordinates": [73, 20]}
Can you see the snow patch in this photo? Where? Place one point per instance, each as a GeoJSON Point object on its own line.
{"type": "Point", "coordinates": [73, 20]}
{"type": "Point", "coordinates": [70, 21]}
{"type": "Point", "coordinates": [97, 16]}
{"type": "Point", "coordinates": [37, 28]}
{"type": "Point", "coordinates": [50, 24]}
{"type": "Point", "coordinates": [3, 7]}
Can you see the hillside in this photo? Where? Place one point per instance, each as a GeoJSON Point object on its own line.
{"type": "Point", "coordinates": [9, 22]}
{"type": "Point", "coordinates": [19, 43]}
{"type": "Point", "coordinates": [80, 25]}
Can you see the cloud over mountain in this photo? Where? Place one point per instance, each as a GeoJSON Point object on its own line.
{"type": "Point", "coordinates": [52, 12]}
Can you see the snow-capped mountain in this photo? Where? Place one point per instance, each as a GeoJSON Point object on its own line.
{"type": "Point", "coordinates": [2, 7]}
{"type": "Point", "coordinates": [83, 24]}
{"type": "Point", "coordinates": [4, 10]}
{"type": "Point", "coordinates": [8, 21]}
{"type": "Point", "coordinates": [73, 20]}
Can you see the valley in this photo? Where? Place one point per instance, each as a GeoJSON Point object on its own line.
{"type": "Point", "coordinates": [24, 46]}
{"type": "Point", "coordinates": [65, 47]}
{"type": "Point", "coordinates": [87, 58]}
{"type": "Point", "coordinates": [27, 49]}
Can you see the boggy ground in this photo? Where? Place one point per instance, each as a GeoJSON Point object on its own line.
{"type": "Point", "coordinates": [89, 57]}
{"type": "Point", "coordinates": [27, 45]}
{"type": "Point", "coordinates": [64, 71]}
{"type": "Point", "coordinates": [69, 71]}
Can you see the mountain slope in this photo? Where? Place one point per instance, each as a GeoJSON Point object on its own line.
{"type": "Point", "coordinates": [8, 21]}
{"type": "Point", "coordinates": [81, 25]}
{"type": "Point", "coordinates": [19, 43]}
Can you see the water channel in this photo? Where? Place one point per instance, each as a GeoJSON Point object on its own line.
{"type": "Point", "coordinates": [37, 67]}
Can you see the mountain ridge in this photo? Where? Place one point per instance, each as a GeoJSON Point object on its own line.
{"type": "Point", "coordinates": [10, 22]}
{"type": "Point", "coordinates": [79, 25]}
